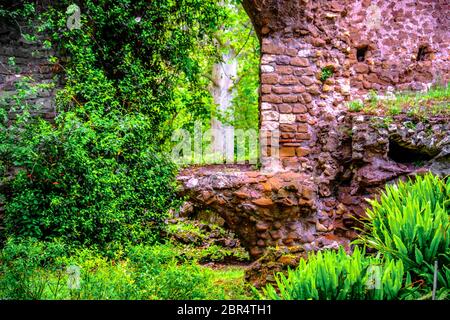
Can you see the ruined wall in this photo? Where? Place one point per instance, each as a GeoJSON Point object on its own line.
{"type": "Point", "coordinates": [329, 159]}
{"type": "Point", "coordinates": [369, 45]}
{"type": "Point", "coordinates": [288, 209]}
{"type": "Point", "coordinates": [19, 59]}
{"type": "Point", "coordinates": [30, 60]}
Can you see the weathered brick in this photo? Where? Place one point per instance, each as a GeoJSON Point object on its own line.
{"type": "Point", "coordinates": [263, 202]}
{"type": "Point", "coordinates": [285, 135]}
{"type": "Point", "coordinates": [299, 108]}
{"type": "Point", "coordinates": [303, 136]}
{"type": "Point", "coordinates": [305, 98]}
{"type": "Point", "coordinates": [302, 152]}
{"type": "Point", "coordinates": [266, 68]}
{"type": "Point", "coordinates": [361, 68]}
{"type": "Point", "coordinates": [287, 152]}
{"type": "Point", "coordinates": [290, 98]}
{"type": "Point", "coordinates": [266, 106]}
{"type": "Point", "coordinates": [270, 116]}
{"type": "Point", "coordinates": [291, 52]}
{"type": "Point", "coordinates": [271, 98]}
{"type": "Point", "coordinates": [284, 70]}
{"type": "Point", "coordinates": [284, 108]}
{"type": "Point", "coordinates": [265, 88]}
{"type": "Point", "coordinates": [271, 48]}
{"type": "Point", "coordinates": [314, 90]}
{"type": "Point", "coordinates": [288, 80]}
{"type": "Point", "coordinates": [300, 62]}
{"type": "Point", "coordinates": [282, 90]}
{"type": "Point", "coordinates": [302, 118]}
{"type": "Point", "coordinates": [269, 78]}
{"type": "Point", "coordinates": [304, 72]}
{"type": "Point", "coordinates": [285, 127]}
{"type": "Point", "coordinates": [302, 128]}
{"type": "Point", "coordinates": [318, 42]}
{"type": "Point", "coordinates": [287, 118]}
{"type": "Point", "coordinates": [283, 60]}
{"type": "Point", "coordinates": [298, 89]}
{"type": "Point", "coordinates": [307, 81]}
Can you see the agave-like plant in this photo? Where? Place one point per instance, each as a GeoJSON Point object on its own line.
{"type": "Point", "coordinates": [331, 275]}
{"type": "Point", "coordinates": [410, 222]}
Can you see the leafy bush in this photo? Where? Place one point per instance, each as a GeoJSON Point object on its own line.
{"type": "Point", "coordinates": [91, 183]}
{"type": "Point", "coordinates": [98, 176]}
{"type": "Point", "coordinates": [410, 222]}
{"type": "Point", "coordinates": [331, 275]}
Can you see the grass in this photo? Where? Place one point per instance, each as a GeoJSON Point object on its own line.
{"type": "Point", "coordinates": [232, 283]}
{"type": "Point", "coordinates": [434, 102]}
{"type": "Point", "coordinates": [38, 271]}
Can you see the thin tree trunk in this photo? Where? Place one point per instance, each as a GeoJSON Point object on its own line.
{"type": "Point", "coordinates": [222, 90]}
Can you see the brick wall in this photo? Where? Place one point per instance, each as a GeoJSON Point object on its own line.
{"type": "Point", "coordinates": [370, 45]}
{"type": "Point", "coordinates": [31, 60]}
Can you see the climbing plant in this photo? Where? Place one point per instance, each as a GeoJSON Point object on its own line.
{"type": "Point", "coordinates": [98, 175]}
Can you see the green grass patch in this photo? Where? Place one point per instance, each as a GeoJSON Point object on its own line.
{"type": "Point", "coordinates": [434, 102]}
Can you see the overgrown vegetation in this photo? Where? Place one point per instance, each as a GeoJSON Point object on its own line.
{"type": "Point", "coordinates": [38, 270]}
{"type": "Point", "coordinates": [325, 73]}
{"type": "Point", "coordinates": [434, 102]}
{"type": "Point", "coordinates": [205, 242]}
{"type": "Point", "coordinates": [338, 276]}
{"type": "Point", "coordinates": [409, 229]}
{"type": "Point", "coordinates": [99, 175]}
{"type": "Point", "coordinates": [90, 193]}
{"type": "Point", "coordinates": [410, 222]}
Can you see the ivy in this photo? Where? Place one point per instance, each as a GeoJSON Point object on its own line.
{"type": "Point", "coordinates": [98, 175]}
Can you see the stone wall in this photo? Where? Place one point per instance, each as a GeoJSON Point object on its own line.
{"type": "Point", "coordinates": [296, 210]}
{"type": "Point", "coordinates": [367, 45]}
{"type": "Point", "coordinates": [30, 60]}
{"type": "Point", "coordinates": [337, 158]}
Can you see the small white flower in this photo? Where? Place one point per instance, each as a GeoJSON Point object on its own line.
{"type": "Point", "coordinates": [138, 19]}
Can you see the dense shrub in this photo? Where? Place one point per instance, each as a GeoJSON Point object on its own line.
{"type": "Point", "coordinates": [98, 175]}
{"type": "Point", "coordinates": [410, 222]}
{"type": "Point", "coordinates": [331, 275]}
{"type": "Point", "coordinates": [93, 182]}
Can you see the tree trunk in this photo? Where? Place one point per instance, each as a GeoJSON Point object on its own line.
{"type": "Point", "coordinates": [222, 91]}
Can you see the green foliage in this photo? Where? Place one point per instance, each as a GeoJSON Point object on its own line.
{"type": "Point", "coordinates": [141, 66]}
{"type": "Point", "coordinates": [11, 10]}
{"type": "Point", "coordinates": [37, 270]}
{"type": "Point", "coordinates": [98, 182]}
{"type": "Point", "coordinates": [25, 268]}
{"type": "Point", "coordinates": [355, 106]}
{"type": "Point", "coordinates": [237, 39]}
{"type": "Point", "coordinates": [98, 175]}
{"type": "Point", "coordinates": [394, 110]}
{"type": "Point", "coordinates": [434, 102]}
{"type": "Point", "coordinates": [410, 222]}
{"type": "Point", "coordinates": [331, 275]}
{"type": "Point", "coordinates": [205, 243]}
{"type": "Point", "coordinates": [325, 73]}
{"type": "Point", "coordinates": [421, 105]}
